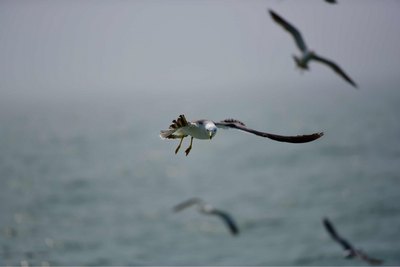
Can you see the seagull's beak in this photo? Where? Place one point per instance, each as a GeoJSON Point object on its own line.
{"type": "Point", "coordinates": [210, 134]}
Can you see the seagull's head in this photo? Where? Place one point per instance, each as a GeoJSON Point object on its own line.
{"type": "Point", "coordinates": [349, 254]}
{"type": "Point", "coordinates": [206, 208]}
{"type": "Point", "coordinates": [211, 129]}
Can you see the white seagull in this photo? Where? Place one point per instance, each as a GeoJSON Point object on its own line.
{"type": "Point", "coordinates": [206, 129]}
{"type": "Point", "coordinates": [207, 209]}
{"type": "Point", "coordinates": [307, 55]}
{"type": "Point", "coordinates": [352, 252]}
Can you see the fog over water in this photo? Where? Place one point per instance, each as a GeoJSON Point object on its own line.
{"type": "Point", "coordinates": [86, 86]}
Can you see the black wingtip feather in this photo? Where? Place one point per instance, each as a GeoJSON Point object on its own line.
{"type": "Point", "coordinates": [275, 16]}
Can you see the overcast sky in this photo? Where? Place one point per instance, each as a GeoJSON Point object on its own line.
{"type": "Point", "coordinates": [87, 47]}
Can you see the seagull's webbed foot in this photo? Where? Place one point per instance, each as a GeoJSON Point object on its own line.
{"type": "Point", "coordinates": [179, 146]}
{"type": "Point", "coordinates": [190, 146]}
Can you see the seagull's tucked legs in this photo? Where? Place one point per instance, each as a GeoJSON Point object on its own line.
{"type": "Point", "coordinates": [179, 146]}
{"type": "Point", "coordinates": [190, 146]}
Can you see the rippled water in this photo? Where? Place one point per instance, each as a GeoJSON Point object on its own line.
{"type": "Point", "coordinates": [89, 182]}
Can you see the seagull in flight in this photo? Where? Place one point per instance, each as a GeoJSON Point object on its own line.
{"type": "Point", "coordinates": [207, 129]}
{"type": "Point", "coordinates": [352, 252]}
{"type": "Point", "coordinates": [307, 55]}
{"type": "Point", "coordinates": [207, 209]}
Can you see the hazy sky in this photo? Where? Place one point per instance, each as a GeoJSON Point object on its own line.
{"type": "Point", "coordinates": [55, 48]}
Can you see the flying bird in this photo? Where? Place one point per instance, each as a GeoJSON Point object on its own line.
{"type": "Point", "coordinates": [207, 129]}
{"type": "Point", "coordinates": [207, 209]}
{"type": "Point", "coordinates": [352, 252]}
{"type": "Point", "coordinates": [331, 1]}
{"type": "Point", "coordinates": [307, 55]}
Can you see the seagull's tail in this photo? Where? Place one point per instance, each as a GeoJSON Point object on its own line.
{"type": "Point", "coordinates": [301, 65]}
{"type": "Point", "coordinates": [176, 124]}
{"type": "Point", "coordinates": [167, 134]}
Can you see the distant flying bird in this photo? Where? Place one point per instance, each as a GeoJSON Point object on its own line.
{"type": "Point", "coordinates": [206, 129]}
{"type": "Point", "coordinates": [207, 209]}
{"type": "Point", "coordinates": [352, 252]}
{"type": "Point", "coordinates": [307, 55]}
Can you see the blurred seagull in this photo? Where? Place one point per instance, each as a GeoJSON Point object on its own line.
{"type": "Point", "coordinates": [307, 55]}
{"type": "Point", "coordinates": [352, 252]}
{"type": "Point", "coordinates": [207, 209]}
{"type": "Point", "coordinates": [206, 129]}
{"type": "Point", "coordinates": [331, 1]}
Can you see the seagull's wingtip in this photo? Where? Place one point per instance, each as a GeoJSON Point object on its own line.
{"type": "Point", "coordinates": [272, 13]}
{"type": "Point", "coordinates": [325, 221]}
{"type": "Point", "coordinates": [175, 209]}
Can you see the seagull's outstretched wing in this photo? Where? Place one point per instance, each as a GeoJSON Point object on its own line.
{"type": "Point", "coordinates": [291, 29]}
{"type": "Point", "coordinates": [369, 260]}
{"type": "Point", "coordinates": [335, 236]}
{"type": "Point", "coordinates": [228, 220]}
{"type": "Point", "coordinates": [334, 67]}
{"type": "Point", "coordinates": [188, 203]}
{"type": "Point", "coordinates": [232, 123]}
{"type": "Point", "coordinates": [331, 1]}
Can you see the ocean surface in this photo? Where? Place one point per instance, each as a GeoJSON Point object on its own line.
{"type": "Point", "coordinates": [87, 180]}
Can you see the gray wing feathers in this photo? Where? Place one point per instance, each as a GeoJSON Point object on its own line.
{"type": "Point", "coordinates": [188, 203]}
{"type": "Point", "coordinates": [366, 258]}
{"type": "Point", "coordinates": [227, 123]}
{"type": "Point", "coordinates": [334, 67]}
{"type": "Point", "coordinates": [228, 220]}
{"type": "Point", "coordinates": [291, 29]}
{"type": "Point", "coordinates": [231, 123]}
